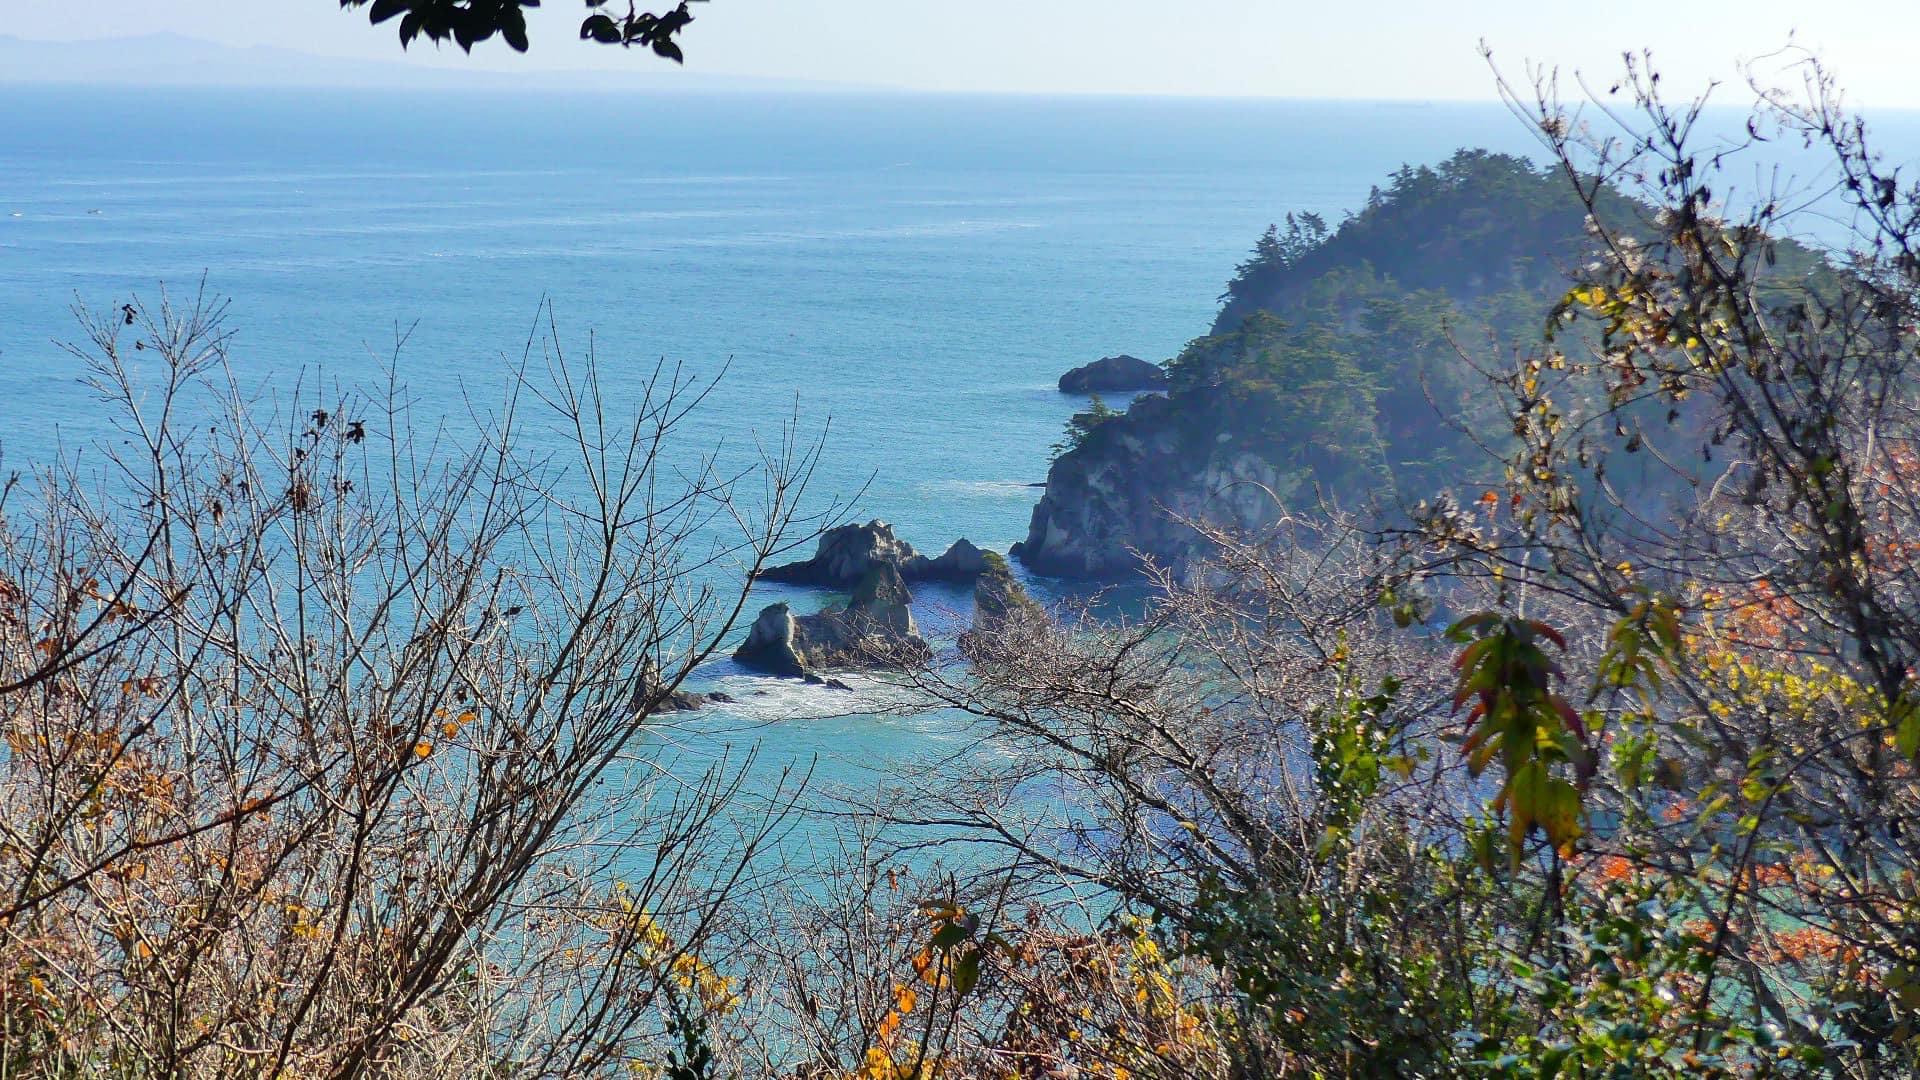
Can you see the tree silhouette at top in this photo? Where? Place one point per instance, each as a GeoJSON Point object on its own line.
{"type": "Point", "coordinates": [466, 23]}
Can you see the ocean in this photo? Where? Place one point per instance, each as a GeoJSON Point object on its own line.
{"type": "Point", "coordinates": [907, 273]}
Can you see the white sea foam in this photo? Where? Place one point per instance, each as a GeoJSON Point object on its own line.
{"type": "Point", "coordinates": [765, 699]}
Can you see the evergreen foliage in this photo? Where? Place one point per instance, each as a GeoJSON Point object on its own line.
{"type": "Point", "coordinates": [1339, 351]}
{"type": "Point", "coordinates": [1344, 353]}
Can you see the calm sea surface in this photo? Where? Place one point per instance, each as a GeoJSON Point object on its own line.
{"type": "Point", "coordinates": [917, 270]}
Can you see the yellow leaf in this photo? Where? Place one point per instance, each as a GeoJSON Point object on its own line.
{"type": "Point", "coordinates": [422, 749]}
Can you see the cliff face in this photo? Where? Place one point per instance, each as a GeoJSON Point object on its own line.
{"type": "Point", "coordinates": [1130, 488]}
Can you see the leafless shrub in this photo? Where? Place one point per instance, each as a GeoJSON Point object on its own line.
{"type": "Point", "coordinates": [327, 730]}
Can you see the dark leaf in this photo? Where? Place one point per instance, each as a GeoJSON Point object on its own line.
{"type": "Point", "coordinates": [599, 28]}
{"type": "Point", "coordinates": [513, 29]}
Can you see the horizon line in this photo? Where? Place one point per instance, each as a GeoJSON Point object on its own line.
{"type": "Point", "coordinates": [661, 79]}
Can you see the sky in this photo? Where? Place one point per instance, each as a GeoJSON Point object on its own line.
{"type": "Point", "coordinates": [1359, 49]}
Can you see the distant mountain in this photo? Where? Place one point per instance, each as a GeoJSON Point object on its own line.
{"type": "Point", "coordinates": [175, 60]}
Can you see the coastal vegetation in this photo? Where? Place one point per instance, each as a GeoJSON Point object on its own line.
{"type": "Point", "coordinates": [334, 744]}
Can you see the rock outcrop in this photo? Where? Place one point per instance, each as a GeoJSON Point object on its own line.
{"type": "Point", "coordinates": [998, 597]}
{"type": "Point", "coordinates": [1113, 375]}
{"type": "Point", "coordinates": [876, 629]}
{"type": "Point", "coordinates": [845, 554]}
{"type": "Point", "coordinates": [1004, 617]}
{"type": "Point", "coordinates": [690, 701]}
{"type": "Point", "coordinates": [772, 643]}
{"type": "Point", "coordinates": [1129, 489]}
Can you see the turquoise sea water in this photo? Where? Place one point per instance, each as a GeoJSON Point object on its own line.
{"type": "Point", "coordinates": [916, 269]}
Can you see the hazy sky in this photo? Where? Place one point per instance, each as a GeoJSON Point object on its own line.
{"type": "Point", "coordinates": [1357, 49]}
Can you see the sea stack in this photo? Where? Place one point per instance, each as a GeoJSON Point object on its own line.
{"type": "Point", "coordinates": [875, 630]}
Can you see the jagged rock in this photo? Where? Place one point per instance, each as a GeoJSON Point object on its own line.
{"type": "Point", "coordinates": [1114, 374]}
{"type": "Point", "coordinates": [845, 554]}
{"type": "Point", "coordinates": [683, 701]}
{"type": "Point", "coordinates": [961, 562]}
{"type": "Point", "coordinates": [875, 629]}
